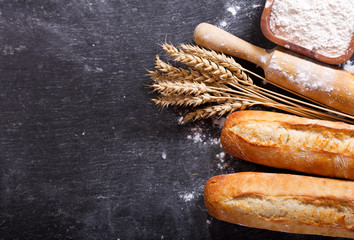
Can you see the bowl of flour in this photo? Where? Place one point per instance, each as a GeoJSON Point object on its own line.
{"type": "Point", "coordinates": [320, 29]}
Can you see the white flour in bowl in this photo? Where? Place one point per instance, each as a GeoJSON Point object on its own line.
{"type": "Point", "coordinates": [324, 26]}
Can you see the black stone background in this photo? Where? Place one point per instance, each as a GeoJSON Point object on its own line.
{"type": "Point", "coordinates": [84, 153]}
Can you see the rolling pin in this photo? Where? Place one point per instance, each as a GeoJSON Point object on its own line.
{"type": "Point", "coordinates": [325, 84]}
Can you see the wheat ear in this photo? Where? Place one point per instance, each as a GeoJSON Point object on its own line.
{"type": "Point", "coordinates": [221, 59]}
{"type": "Point", "coordinates": [188, 101]}
{"type": "Point", "coordinates": [181, 73]}
{"type": "Point", "coordinates": [199, 63]}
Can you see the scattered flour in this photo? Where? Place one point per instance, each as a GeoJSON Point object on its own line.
{"type": "Point", "coordinates": [10, 50]}
{"type": "Point", "coordinates": [306, 76]}
{"type": "Point", "coordinates": [199, 136]}
{"type": "Point", "coordinates": [263, 59]}
{"type": "Point", "coordinates": [222, 164]}
{"type": "Point", "coordinates": [163, 155]}
{"type": "Point", "coordinates": [223, 24]}
{"type": "Point", "coordinates": [309, 80]}
{"type": "Point", "coordinates": [233, 10]}
{"type": "Point", "coordinates": [323, 26]}
{"type": "Point", "coordinates": [349, 66]}
{"type": "Point", "coordinates": [93, 69]}
{"type": "Point", "coordinates": [101, 197]}
{"type": "Point", "coordinates": [180, 120]}
{"type": "Point", "coordinates": [187, 196]}
{"type": "Point", "coordinates": [268, 3]}
{"type": "Point", "coordinates": [230, 15]}
{"type": "Point", "coordinates": [256, 5]}
{"type": "Point", "coordinates": [221, 156]}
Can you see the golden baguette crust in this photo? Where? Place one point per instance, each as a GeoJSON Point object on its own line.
{"type": "Point", "coordinates": [283, 202]}
{"type": "Point", "coordinates": [285, 141]}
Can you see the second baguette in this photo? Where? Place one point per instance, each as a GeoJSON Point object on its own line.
{"type": "Point", "coordinates": [290, 142]}
{"type": "Point", "coordinates": [283, 202]}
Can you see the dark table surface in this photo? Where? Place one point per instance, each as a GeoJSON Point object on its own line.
{"type": "Point", "coordinates": [84, 153]}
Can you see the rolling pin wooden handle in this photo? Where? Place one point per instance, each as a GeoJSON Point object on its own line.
{"type": "Point", "coordinates": [219, 40]}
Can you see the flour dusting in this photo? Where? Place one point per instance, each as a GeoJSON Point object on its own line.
{"type": "Point", "coordinates": [221, 156]}
{"type": "Point", "coordinates": [306, 76]}
{"type": "Point", "coordinates": [10, 50]}
{"type": "Point", "coordinates": [198, 135]}
{"type": "Point", "coordinates": [231, 11]}
{"type": "Point", "coordinates": [256, 5]}
{"type": "Point", "coordinates": [93, 69]}
{"type": "Point", "coordinates": [187, 197]}
{"type": "Point", "coordinates": [163, 155]}
{"type": "Point", "coordinates": [223, 24]}
{"type": "Point", "coordinates": [267, 5]}
{"type": "Point", "coordinates": [221, 164]}
{"type": "Point", "coordinates": [349, 66]}
{"type": "Point", "coordinates": [180, 121]}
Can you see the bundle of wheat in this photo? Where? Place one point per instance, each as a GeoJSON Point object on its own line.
{"type": "Point", "coordinates": [216, 84]}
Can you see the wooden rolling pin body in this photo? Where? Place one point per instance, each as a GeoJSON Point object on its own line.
{"type": "Point", "coordinates": [322, 83]}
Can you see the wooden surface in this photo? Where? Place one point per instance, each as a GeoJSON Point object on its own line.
{"type": "Point", "coordinates": [84, 153]}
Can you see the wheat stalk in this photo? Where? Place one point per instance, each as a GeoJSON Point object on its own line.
{"type": "Point", "coordinates": [218, 85]}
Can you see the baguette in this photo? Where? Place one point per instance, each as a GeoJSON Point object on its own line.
{"type": "Point", "coordinates": [290, 142]}
{"type": "Point", "coordinates": [283, 202]}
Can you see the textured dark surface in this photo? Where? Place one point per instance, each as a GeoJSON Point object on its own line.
{"type": "Point", "coordinates": [84, 153]}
